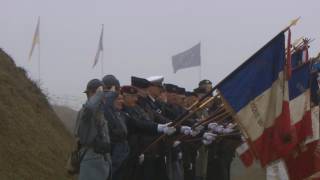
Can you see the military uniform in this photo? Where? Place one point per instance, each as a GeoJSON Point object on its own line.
{"type": "Point", "coordinates": [118, 135]}
{"type": "Point", "coordinates": [92, 132]}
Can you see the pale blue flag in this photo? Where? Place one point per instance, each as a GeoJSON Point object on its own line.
{"type": "Point", "coordinates": [186, 59]}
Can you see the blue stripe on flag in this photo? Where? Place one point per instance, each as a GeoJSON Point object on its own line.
{"type": "Point", "coordinates": [299, 81]}
{"type": "Point", "coordinates": [256, 75]}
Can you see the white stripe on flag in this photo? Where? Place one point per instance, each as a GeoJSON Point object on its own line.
{"type": "Point", "coordinates": [315, 125]}
{"type": "Point", "coordinates": [277, 171]}
{"type": "Point", "coordinates": [261, 112]}
{"type": "Point", "coordinates": [297, 111]}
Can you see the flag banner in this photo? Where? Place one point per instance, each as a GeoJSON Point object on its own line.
{"type": "Point", "coordinates": [36, 39]}
{"type": "Point", "coordinates": [315, 125]}
{"type": "Point", "coordinates": [245, 154]}
{"type": "Point", "coordinates": [186, 59]}
{"type": "Point", "coordinates": [305, 160]}
{"type": "Point", "coordinates": [100, 49]}
{"type": "Point", "coordinates": [314, 88]}
{"type": "Point", "coordinates": [256, 92]}
{"type": "Point", "coordinates": [277, 171]}
{"type": "Point", "coordinates": [299, 105]}
{"type": "Point", "coordinates": [296, 58]}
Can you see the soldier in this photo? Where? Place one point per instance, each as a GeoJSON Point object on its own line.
{"type": "Point", "coordinates": [190, 149]}
{"type": "Point", "coordinates": [92, 132]}
{"type": "Point", "coordinates": [222, 150]}
{"type": "Point", "coordinates": [152, 162]}
{"type": "Point", "coordinates": [118, 133]}
{"type": "Point", "coordinates": [139, 128]}
{"type": "Point", "coordinates": [109, 82]}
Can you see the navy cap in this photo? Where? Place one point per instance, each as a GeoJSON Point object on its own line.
{"type": "Point", "coordinates": [181, 91]}
{"type": "Point", "coordinates": [92, 85]}
{"type": "Point", "coordinates": [188, 94]}
{"type": "Point", "coordinates": [129, 90]}
{"type": "Point", "coordinates": [205, 82]}
{"type": "Point", "coordinates": [110, 80]}
{"type": "Point", "coordinates": [139, 82]}
{"type": "Point", "coordinates": [171, 88]}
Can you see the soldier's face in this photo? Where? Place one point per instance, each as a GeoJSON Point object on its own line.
{"type": "Point", "coordinates": [154, 91]}
{"type": "Point", "coordinates": [207, 87]}
{"type": "Point", "coordinates": [118, 103]}
{"type": "Point", "coordinates": [130, 100]}
{"type": "Point", "coordinates": [163, 97]}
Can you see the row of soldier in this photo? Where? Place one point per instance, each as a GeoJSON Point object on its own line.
{"type": "Point", "coordinates": [118, 129]}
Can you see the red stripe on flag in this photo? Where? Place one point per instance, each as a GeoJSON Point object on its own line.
{"type": "Point", "coordinates": [304, 162]}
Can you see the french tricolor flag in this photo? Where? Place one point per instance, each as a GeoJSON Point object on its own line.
{"type": "Point", "coordinates": [300, 96]}
{"type": "Point", "coordinates": [257, 92]}
{"type": "Point", "coordinates": [245, 154]}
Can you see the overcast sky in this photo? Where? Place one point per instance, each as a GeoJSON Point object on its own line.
{"type": "Point", "coordinates": [141, 36]}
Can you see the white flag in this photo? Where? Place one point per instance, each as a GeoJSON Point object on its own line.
{"type": "Point", "coordinates": [36, 38]}
{"type": "Point", "coordinates": [186, 59]}
{"type": "Point", "coordinates": [100, 49]}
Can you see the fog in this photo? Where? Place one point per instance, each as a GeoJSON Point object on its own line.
{"type": "Point", "coordinates": [141, 36]}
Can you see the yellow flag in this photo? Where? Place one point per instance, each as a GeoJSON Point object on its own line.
{"type": "Point", "coordinates": [36, 38]}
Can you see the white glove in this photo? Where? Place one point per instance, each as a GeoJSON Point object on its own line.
{"type": "Point", "coordinates": [227, 130]}
{"type": "Point", "coordinates": [231, 125]}
{"type": "Point", "coordinates": [176, 143]}
{"type": "Point", "coordinates": [206, 142]}
{"type": "Point", "coordinates": [141, 158]}
{"type": "Point", "coordinates": [169, 130]}
{"type": "Point", "coordinates": [164, 128]}
{"type": "Point", "coordinates": [218, 129]}
{"type": "Point", "coordinates": [209, 136]}
{"type": "Point", "coordinates": [180, 155]}
{"type": "Point", "coordinates": [212, 126]}
{"type": "Point", "coordinates": [186, 130]}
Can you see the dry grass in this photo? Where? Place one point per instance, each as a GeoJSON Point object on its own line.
{"type": "Point", "coordinates": [33, 143]}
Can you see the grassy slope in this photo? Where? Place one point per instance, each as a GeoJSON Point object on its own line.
{"type": "Point", "coordinates": [33, 142]}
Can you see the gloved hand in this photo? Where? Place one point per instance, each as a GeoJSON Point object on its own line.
{"type": "Point", "coordinates": [141, 158]}
{"type": "Point", "coordinates": [212, 126]}
{"type": "Point", "coordinates": [166, 129]}
{"type": "Point", "coordinates": [218, 129]}
{"type": "Point", "coordinates": [206, 142]}
{"type": "Point", "coordinates": [176, 143]}
{"type": "Point", "coordinates": [186, 130]}
{"type": "Point", "coordinates": [231, 125]}
{"type": "Point", "coordinates": [227, 130]}
{"type": "Point", "coordinates": [180, 155]}
{"type": "Point", "coordinates": [197, 131]}
{"type": "Point", "coordinates": [209, 136]}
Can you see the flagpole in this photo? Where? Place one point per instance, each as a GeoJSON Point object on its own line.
{"type": "Point", "coordinates": [200, 73]}
{"type": "Point", "coordinates": [102, 72]}
{"type": "Point", "coordinates": [200, 65]}
{"type": "Point", "coordinates": [39, 55]}
{"type": "Point", "coordinates": [102, 53]}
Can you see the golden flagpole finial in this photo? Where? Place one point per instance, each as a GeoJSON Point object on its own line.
{"type": "Point", "coordinates": [293, 23]}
